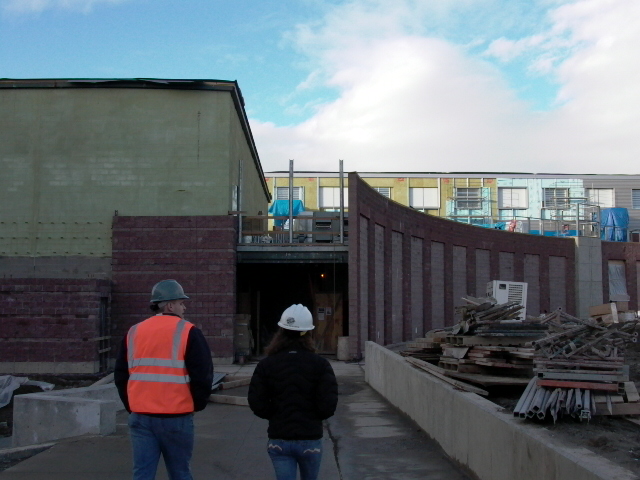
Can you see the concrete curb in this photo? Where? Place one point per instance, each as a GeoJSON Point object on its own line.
{"type": "Point", "coordinates": [21, 453]}
{"type": "Point", "coordinates": [476, 432]}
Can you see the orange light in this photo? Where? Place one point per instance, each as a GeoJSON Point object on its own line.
{"type": "Point", "coordinates": [322, 275]}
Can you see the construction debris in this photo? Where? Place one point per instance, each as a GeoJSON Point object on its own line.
{"type": "Point", "coordinates": [580, 370]}
{"type": "Point", "coordinates": [485, 347]}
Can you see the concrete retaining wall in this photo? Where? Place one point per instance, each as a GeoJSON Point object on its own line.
{"type": "Point", "coordinates": [44, 417]}
{"type": "Point", "coordinates": [476, 432]}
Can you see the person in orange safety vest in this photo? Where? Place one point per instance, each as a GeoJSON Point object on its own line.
{"type": "Point", "coordinates": [164, 374]}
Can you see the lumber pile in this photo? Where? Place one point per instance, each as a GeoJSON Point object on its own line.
{"type": "Point", "coordinates": [488, 359]}
{"type": "Point", "coordinates": [580, 370]}
{"type": "Point", "coordinates": [423, 349]}
{"type": "Point", "coordinates": [486, 347]}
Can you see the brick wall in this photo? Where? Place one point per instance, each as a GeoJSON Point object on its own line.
{"type": "Point", "coordinates": [197, 251]}
{"type": "Point", "coordinates": [455, 259]}
{"type": "Point", "coordinates": [50, 325]}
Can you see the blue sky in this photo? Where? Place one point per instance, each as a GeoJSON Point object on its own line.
{"type": "Point", "coordinates": [408, 85]}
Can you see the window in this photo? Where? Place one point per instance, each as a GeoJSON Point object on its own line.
{"type": "Point", "coordinates": [282, 193]}
{"type": "Point", "coordinates": [513, 198]}
{"type": "Point", "coordinates": [468, 198]}
{"type": "Point", "coordinates": [424, 198]}
{"type": "Point", "coordinates": [384, 191]}
{"type": "Point", "coordinates": [556, 197]}
{"type": "Point", "coordinates": [602, 197]}
{"type": "Point", "coordinates": [330, 197]}
{"type": "Point", "coordinates": [635, 198]}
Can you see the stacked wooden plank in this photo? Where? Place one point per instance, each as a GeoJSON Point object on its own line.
{"type": "Point", "coordinates": [423, 349]}
{"type": "Point", "coordinates": [486, 346]}
{"type": "Point", "coordinates": [489, 359]}
{"type": "Point", "coordinates": [580, 370]}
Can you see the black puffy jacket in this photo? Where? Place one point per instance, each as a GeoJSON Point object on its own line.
{"type": "Point", "coordinates": [295, 390]}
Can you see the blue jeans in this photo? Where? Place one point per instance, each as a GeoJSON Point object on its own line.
{"type": "Point", "coordinates": [170, 436]}
{"type": "Point", "coordinates": [288, 455]}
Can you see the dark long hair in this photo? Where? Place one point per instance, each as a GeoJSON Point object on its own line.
{"type": "Point", "coordinates": [284, 339]}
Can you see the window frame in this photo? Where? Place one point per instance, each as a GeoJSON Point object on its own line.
{"type": "Point", "coordinates": [561, 204]}
{"type": "Point", "coordinates": [588, 194]}
{"type": "Point", "coordinates": [470, 202]}
{"type": "Point", "coordinates": [336, 198]}
{"type": "Point", "coordinates": [635, 198]}
{"type": "Point", "coordinates": [381, 191]}
{"type": "Point", "coordinates": [501, 204]}
{"type": "Point", "coordinates": [299, 189]}
{"type": "Point", "coordinates": [435, 206]}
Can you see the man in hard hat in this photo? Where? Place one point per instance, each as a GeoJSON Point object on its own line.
{"type": "Point", "coordinates": [164, 374]}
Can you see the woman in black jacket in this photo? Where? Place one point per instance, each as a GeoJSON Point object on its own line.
{"type": "Point", "coordinates": [295, 389]}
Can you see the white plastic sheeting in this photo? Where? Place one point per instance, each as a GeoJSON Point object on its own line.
{"type": "Point", "coordinates": [9, 383]}
{"type": "Point", "coordinates": [617, 281]}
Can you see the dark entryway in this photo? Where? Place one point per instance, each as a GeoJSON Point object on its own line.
{"type": "Point", "coordinates": [265, 290]}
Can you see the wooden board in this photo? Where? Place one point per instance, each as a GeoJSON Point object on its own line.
{"type": "Point", "coordinates": [631, 392]}
{"type": "Point", "coordinates": [582, 377]}
{"type": "Point", "coordinates": [241, 382]}
{"type": "Point", "coordinates": [618, 409]}
{"type": "Point", "coordinates": [606, 387]}
{"type": "Point", "coordinates": [490, 380]}
{"type": "Point", "coordinates": [440, 373]}
{"type": "Point", "coordinates": [229, 400]}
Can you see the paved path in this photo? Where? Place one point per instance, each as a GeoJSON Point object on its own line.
{"type": "Point", "coordinates": [367, 439]}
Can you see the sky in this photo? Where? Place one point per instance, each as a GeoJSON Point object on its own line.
{"type": "Point", "coordinates": [536, 86]}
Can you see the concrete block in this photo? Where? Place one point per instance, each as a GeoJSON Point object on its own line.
{"type": "Point", "coordinates": [45, 417]}
{"type": "Point", "coordinates": [477, 433]}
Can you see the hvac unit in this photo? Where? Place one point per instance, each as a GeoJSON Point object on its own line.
{"type": "Point", "coordinates": [504, 292]}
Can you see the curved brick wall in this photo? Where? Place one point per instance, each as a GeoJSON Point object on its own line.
{"type": "Point", "coordinates": [408, 270]}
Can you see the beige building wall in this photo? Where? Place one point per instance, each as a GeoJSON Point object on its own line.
{"type": "Point", "coordinates": [73, 157]}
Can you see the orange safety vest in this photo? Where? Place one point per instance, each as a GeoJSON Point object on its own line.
{"type": "Point", "coordinates": [158, 378]}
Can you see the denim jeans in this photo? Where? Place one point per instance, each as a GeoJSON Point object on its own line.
{"type": "Point", "coordinates": [288, 455]}
{"type": "Point", "coordinates": [170, 436]}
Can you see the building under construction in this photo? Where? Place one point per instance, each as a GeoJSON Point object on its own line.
{"type": "Point", "coordinates": [111, 185]}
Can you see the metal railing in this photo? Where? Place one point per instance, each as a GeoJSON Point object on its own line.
{"type": "Point", "coordinates": [307, 230]}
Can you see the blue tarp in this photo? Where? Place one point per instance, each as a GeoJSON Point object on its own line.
{"type": "Point", "coordinates": [280, 208]}
{"type": "Point", "coordinates": [614, 223]}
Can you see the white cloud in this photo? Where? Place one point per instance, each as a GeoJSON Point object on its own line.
{"type": "Point", "coordinates": [35, 6]}
{"type": "Point", "coordinates": [411, 101]}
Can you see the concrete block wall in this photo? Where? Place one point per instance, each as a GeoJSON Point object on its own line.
{"type": "Point", "coordinates": [50, 325]}
{"type": "Point", "coordinates": [197, 251]}
{"type": "Point", "coordinates": [406, 298]}
{"type": "Point", "coordinates": [477, 433]}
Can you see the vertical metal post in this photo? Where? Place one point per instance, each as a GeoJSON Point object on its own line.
{"type": "Point", "coordinates": [290, 201]}
{"type": "Point", "coordinates": [341, 203]}
{"type": "Point", "coordinates": [577, 219]}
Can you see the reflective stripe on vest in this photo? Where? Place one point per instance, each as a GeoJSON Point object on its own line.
{"type": "Point", "coordinates": [158, 378]}
{"type": "Point", "coordinates": [158, 362]}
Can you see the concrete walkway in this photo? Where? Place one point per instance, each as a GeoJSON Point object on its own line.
{"type": "Point", "coordinates": [367, 439]}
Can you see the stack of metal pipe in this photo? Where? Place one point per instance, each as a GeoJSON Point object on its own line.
{"type": "Point", "coordinates": [537, 402]}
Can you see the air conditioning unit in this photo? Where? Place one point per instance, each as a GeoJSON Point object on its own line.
{"type": "Point", "coordinates": [504, 292]}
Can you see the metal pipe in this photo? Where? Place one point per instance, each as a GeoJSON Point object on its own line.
{"type": "Point", "coordinates": [341, 203]}
{"type": "Point", "coordinates": [578, 400]}
{"type": "Point", "coordinates": [290, 201]}
{"type": "Point", "coordinates": [523, 397]}
{"type": "Point", "coordinates": [527, 402]}
{"type": "Point", "coordinates": [536, 402]}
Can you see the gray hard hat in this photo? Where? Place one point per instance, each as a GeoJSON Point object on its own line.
{"type": "Point", "coordinates": [167, 290]}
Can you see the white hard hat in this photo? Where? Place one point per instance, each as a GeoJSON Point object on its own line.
{"type": "Point", "coordinates": [297, 317]}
